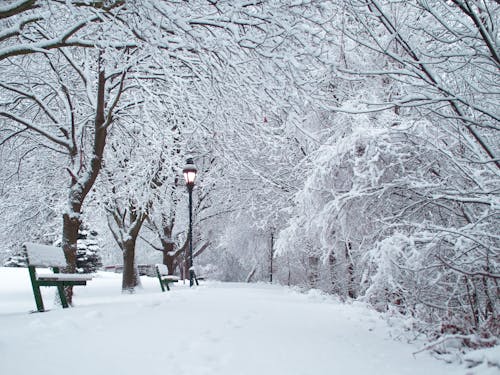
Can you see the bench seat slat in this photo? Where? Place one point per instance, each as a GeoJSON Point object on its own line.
{"type": "Point", "coordinates": [60, 283]}
{"type": "Point", "coordinates": [170, 278]}
{"type": "Point", "coordinates": [63, 277]}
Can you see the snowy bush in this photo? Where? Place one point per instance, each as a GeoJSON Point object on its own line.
{"type": "Point", "coordinates": [88, 259]}
{"type": "Point", "coordinates": [387, 215]}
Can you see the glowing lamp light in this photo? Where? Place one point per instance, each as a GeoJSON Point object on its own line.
{"type": "Point", "coordinates": [189, 172]}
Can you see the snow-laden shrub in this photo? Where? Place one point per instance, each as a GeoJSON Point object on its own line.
{"type": "Point", "coordinates": [395, 217]}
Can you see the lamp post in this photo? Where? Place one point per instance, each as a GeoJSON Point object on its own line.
{"type": "Point", "coordinates": [189, 172]}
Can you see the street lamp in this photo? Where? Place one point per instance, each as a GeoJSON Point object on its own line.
{"type": "Point", "coordinates": [189, 172]}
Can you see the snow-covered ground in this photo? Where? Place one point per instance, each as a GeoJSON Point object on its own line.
{"type": "Point", "coordinates": [216, 328]}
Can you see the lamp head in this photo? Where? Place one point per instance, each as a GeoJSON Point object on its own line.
{"type": "Point", "coordinates": [189, 172]}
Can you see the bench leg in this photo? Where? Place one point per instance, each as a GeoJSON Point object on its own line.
{"type": "Point", "coordinates": [36, 290]}
{"type": "Point", "coordinates": [168, 287]}
{"type": "Point", "coordinates": [161, 281]}
{"type": "Point", "coordinates": [62, 296]}
{"type": "Point", "coordinates": [195, 278]}
{"type": "Point", "coordinates": [60, 289]}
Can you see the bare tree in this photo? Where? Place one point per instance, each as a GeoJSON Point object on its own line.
{"type": "Point", "coordinates": [64, 99]}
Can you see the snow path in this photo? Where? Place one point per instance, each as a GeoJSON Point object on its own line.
{"type": "Point", "coordinates": [217, 328]}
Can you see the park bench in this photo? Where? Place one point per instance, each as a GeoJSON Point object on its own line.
{"type": "Point", "coordinates": [44, 256]}
{"type": "Point", "coordinates": [164, 277]}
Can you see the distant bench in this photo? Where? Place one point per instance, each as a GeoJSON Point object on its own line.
{"type": "Point", "coordinates": [50, 257]}
{"type": "Point", "coordinates": [164, 277]}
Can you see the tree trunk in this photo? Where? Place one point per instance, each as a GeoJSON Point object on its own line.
{"type": "Point", "coordinates": [251, 274]}
{"type": "Point", "coordinates": [313, 262]}
{"type": "Point", "coordinates": [130, 278]}
{"type": "Point", "coordinates": [71, 225]}
{"type": "Point", "coordinates": [351, 291]}
{"type": "Point", "coordinates": [169, 257]}
{"type": "Point", "coordinates": [332, 265]}
{"type": "Point", "coordinates": [271, 258]}
{"type": "Point", "coordinates": [81, 185]}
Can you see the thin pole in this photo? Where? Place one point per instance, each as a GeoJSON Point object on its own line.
{"type": "Point", "coordinates": [191, 270]}
{"type": "Point", "coordinates": [272, 256]}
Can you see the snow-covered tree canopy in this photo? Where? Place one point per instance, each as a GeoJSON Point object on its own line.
{"type": "Point", "coordinates": [362, 135]}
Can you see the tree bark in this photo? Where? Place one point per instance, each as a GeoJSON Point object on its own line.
{"type": "Point", "coordinates": [71, 225]}
{"type": "Point", "coordinates": [351, 292]}
{"type": "Point", "coordinates": [17, 8]}
{"type": "Point", "coordinates": [332, 264]}
{"type": "Point", "coordinates": [80, 186]}
{"type": "Point", "coordinates": [130, 278]}
{"type": "Point", "coordinates": [313, 263]}
{"type": "Point", "coordinates": [169, 257]}
{"type": "Point", "coordinates": [126, 237]}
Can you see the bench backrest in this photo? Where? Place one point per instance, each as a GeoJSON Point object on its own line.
{"type": "Point", "coordinates": [44, 255]}
{"type": "Point", "coordinates": [162, 269]}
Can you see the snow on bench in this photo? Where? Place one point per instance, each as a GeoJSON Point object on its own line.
{"type": "Point", "coordinates": [50, 257]}
{"type": "Point", "coordinates": [164, 278]}
{"type": "Point", "coordinates": [63, 277]}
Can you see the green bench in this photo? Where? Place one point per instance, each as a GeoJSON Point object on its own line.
{"type": "Point", "coordinates": [164, 277]}
{"type": "Point", "coordinates": [44, 256]}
